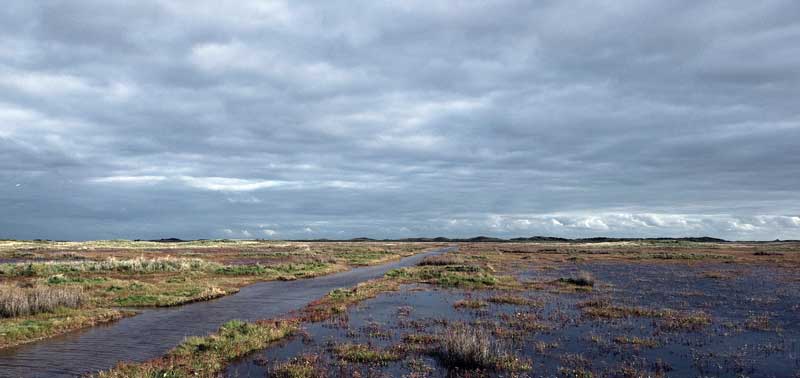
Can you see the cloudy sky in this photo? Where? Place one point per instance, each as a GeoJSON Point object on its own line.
{"type": "Point", "coordinates": [256, 119]}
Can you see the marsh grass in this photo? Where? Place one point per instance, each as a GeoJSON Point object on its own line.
{"type": "Point", "coordinates": [441, 260]}
{"type": "Point", "coordinates": [636, 341]}
{"type": "Point", "coordinates": [463, 347]}
{"type": "Point", "coordinates": [681, 256]}
{"type": "Point", "coordinates": [337, 300]}
{"type": "Point", "coordinates": [137, 265]}
{"type": "Point", "coordinates": [207, 356]}
{"type": "Point", "coordinates": [20, 330]}
{"type": "Point", "coordinates": [470, 304]}
{"type": "Point", "coordinates": [512, 299]}
{"type": "Point", "coordinates": [305, 366]}
{"type": "Point", "coordinates": [670, 320]}
{"type": "Point", "coordinates": [363, 353]}
{"type": "Point", "coordinates": [23, 301]}
{"type": "Point", "coordinates": [584, 279]}
{"type": "Point", "coordinates": [287, 271]}
{"type": "Point", "coordinates": [460, 276]}
{"type": "Point", "coordinates": [760, 322]}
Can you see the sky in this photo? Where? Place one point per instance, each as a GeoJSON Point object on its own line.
{"type": "Point", "coordinates": [338, 119]}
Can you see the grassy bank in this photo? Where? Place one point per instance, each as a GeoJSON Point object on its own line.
{"type": "Point", "coordinates": [24, 329]}
{"type": "Point", "coordinates": [207, 356]}
{"type": "Point", "coordinates": [88, 280]}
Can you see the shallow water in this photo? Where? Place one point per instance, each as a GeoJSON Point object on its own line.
{"type": "Point", "coordinates": [153, 332]}
{"type": "Point", "coordinates": [725, 348]}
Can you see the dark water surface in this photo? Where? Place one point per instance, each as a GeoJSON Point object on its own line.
{"type": "Point", "coordinates": [154, 332]}
{"type": "Point", "coordinates": [725, 348]}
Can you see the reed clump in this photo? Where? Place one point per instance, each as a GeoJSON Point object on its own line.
{"type": "Point", "coordinates": [137, 265]}
{"type": "Point", "coordinates": [23, 301]}
{"type": "Point", "coordinates": [465, 347]}
{"type": "Point", "coordinates": [582, 279]}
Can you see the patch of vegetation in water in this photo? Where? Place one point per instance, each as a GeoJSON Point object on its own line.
{"type": "Point", "coordinates": [512, 299]}
{"type": "Point", "coordinates": [460, 276]}
{"type": "Point", "coordinates": [681, 256]}
{"type": "Point", "coordinates": [584, 279]}
{"type": "Point", "coordinates": [171, 298]}
{"type": "Point", "coordinates": [207, 356]}
{"type": "Point", "coordinates": [362, 353]}
{"type": "Point", "coordinates": [464, 347]}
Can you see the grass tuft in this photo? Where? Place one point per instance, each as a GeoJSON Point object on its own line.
{"type": "Point", "coordinates": [469, 303]}
{"type": "Point", "coordinates": [364, 354]}
{"type": "Point", "coordinates": [464, 347]}
{"type": "Point", "coordinates": [513, 300]}
{"type": "Point", "coordinates": [19, 301]}
{"type": "Point", "coordinates": [305, 366]}
{"type": "Point", "coordinates": [137, 265]}
{"type": "Point", "coordinates": [582, 279]}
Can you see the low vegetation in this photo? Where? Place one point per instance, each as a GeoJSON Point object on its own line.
{"type": "Point", "coordinates": [207, 356]}
{"type": "Point", "coordinates": [510, 304]}
{"type": "Point", "coordinates": [512, 299]}
{"type": "Point", "coordinates": [469, 303]}
{"type": "Point", "coordinates": [23, 329]}
{"type": "Point", "coordinates": [23, 301]}
{"type": "Point", "coordinates": [41, 277]}
{"type": "Point", "coordinates": [440, 260]}
{"type": "Point", "coordinates": [670, 320]}
{"type": "Point", "coordinates": [582, 279]}
{"type": "Point", "coordinates": [364, 354]}
{"type": "Point", "coordinates": [460, 276]}
{"type": "Point", "coordinates": [305, 366]}
{"type": "Point", "coordinates": [137, 265]}
{"type": "Point", "coordinates": [465, 347]}
{"type": "Point", "coordinates": [636, 341]}
{"type": "Point", "coordinates": [337, 301]}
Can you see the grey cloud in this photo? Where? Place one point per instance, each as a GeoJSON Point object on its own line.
{"type": "Point", "coordinates": [621, 118]}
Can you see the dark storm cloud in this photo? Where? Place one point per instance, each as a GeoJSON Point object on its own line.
{"type": "Point", "coordinates": [286, 120]}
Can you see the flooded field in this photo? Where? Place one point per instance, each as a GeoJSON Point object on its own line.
{"type": "Point", "coordinates": [155, 330]}
{"type": "Point", "coordinates": [600, 309]}
{"type": "Point", "coordinates": [630, 319]}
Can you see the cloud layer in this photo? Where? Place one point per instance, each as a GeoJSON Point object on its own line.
{"type": "Point", "coordinates": [284, 120]}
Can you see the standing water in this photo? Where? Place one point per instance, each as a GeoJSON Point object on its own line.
{"type": "Point", "coordinates": [153, 332]}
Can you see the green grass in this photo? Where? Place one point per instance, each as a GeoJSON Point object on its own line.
{"type": "Point", "coordinates": [24, 329]}
{"type": "Point", "coordinates": [172, 298]}
{"type": "Point", "coordinates": [298, 367]}
{"type": "Point", "coordinates": [293, 270]}
{"type": "Point", "coordinates": [460, 276]}
{"type": "Point", "coordinates": [60, 279]}
{"type": "Point", "coordinates": [337, 300]}
{"type": "Point", "coordinates": [207, 356]}
{"type": "Point", "coordinates": [364, 354]}
{"type": "Point", "coordinates": [513, 300]}
{"type": "Point", "coordinates": [363, 257]}
{"type": "Point", "coordinates": [138, 265]}
{"type": "Point", "coordinates": [681, 256]}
